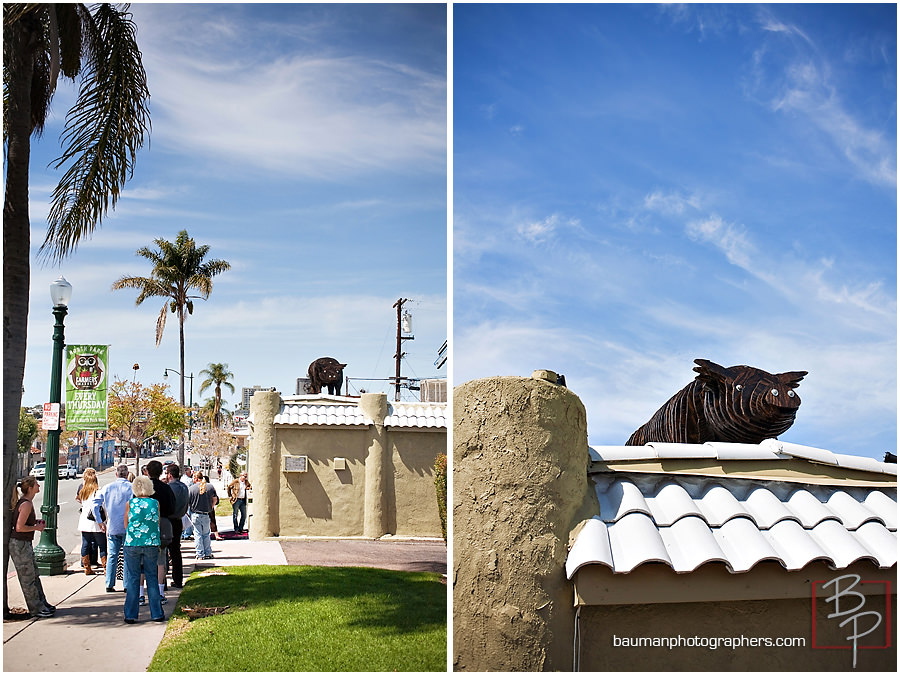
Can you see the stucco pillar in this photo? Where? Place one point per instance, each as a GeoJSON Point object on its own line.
{"type": "Point", "coordinates": [520, 485]}
{"type": "Point", "coordinates": [377, 465]}
{"type": "Point", "coordinates": [265, 465]}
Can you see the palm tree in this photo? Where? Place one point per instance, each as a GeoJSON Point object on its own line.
{"type": "Point", "coordinates": [103, 132]}
{"type": "Point", "coordinates": [178, 271]}
{"type": "Point", "coordinates": [217, 374]}
{"type": "Point", "coordinates": [208, 411]}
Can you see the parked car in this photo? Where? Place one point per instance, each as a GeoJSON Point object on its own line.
{"type": "Point", "coordinates": [38, 470]}
{"type": "Point", "coordinates": [67, 471]}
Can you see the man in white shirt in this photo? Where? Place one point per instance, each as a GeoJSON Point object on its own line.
{"type": "Point", "coordinates": [113, 498]}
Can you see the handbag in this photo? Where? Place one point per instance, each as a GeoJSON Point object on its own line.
{"type": "Point", "coordinates": [102, 514]}
{"type": "Point", "coordinates": [166, 534]}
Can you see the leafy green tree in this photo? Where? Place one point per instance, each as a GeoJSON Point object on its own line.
{"type": "Point", "coordinates": [138, 413]}
{"type": "Point", "coordinates": [28, 430]}
{"type": "Point", "coordinates": [181, 275]}
{"type": "Point", "coordinates": [104, 129]}
{"type": "Point", "coordinates": [217, 374]}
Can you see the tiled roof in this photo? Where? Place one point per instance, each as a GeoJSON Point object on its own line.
{"type": "Point", "coordinates": [416, 415]}
{"type": "Point", "coordinates": [324, 414]}
{"type": "Point", "coordinates": [685, 521]}
{"type": "Point", "coordinates": [311, 410]}
{"type": "Point", "coordinates": [769, 449]}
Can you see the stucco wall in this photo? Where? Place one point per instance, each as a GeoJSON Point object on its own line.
{"type": "Point", "coordinates": [387, 486]}
{"type": "Point", "coordinates": [520, 485]}
{"type": "Point", "coordinates": [414, 511]}
{"type": "Point", "coordinates": [328, 502]}
{"type": "Point", "coordinates": [323, 501]}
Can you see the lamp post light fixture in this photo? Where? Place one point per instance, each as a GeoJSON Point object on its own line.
{"type": "Point", "coordinates": [190, 409]}
{"type": "Point", "coordinates": [49, 555]}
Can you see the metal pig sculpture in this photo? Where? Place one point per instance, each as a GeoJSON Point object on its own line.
{"type": "Point", "coordinates": [735, 405]}
{"type": "Point", "coordinates": [326, 372]}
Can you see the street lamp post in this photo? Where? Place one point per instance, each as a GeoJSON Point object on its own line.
{"type": "Point", "coordinates": [190, 409]}
{"type": "Point", "coordinates": [50, 557]}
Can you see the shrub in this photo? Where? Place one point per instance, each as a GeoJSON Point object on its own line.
{"type": "Point", "coordinates": [440, 485]}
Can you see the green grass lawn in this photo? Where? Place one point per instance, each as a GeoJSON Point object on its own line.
{"type": "Point", "coordinates": [292, 618]}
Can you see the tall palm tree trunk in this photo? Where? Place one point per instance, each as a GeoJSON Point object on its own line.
{"type": "Point", "coordinates": [217, 418]}
{"type": "Point", "coordinates": [20, 50]}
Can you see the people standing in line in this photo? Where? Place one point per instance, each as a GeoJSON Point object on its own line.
{"type": "Point", "coordinates": [142, 550]}
{"type": "Point", "coordinates": [21, 548]}
{"type": "Point", "coordinates": [237, 493]}
{"type": "Point", "coordinates": [166, 498]}
{"type": "Point", "coordinates": [180, 491]}
{"type": "Point", "coordinates": [113, 497]}
{"type": "Point", "coordinates": [93, 541]}
{"type": "Point", "coordinates": [200, 505]}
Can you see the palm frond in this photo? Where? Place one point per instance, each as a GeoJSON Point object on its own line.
{"type": "Point", "coordinates": [104, 130]}
{"type": "Point", "coordinates": [161, 323]}
{"type": "Point", "coordinates": [69, 18]}
{"type": "Point", "coordinates": [15, 11]}
{"type": "Point", "coordinates": [148, 287]}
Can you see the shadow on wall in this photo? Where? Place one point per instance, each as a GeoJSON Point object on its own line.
{"type": "Point", "coordinates": [310, 494]}
{"type": "Point", "coordinates": [418, 460]}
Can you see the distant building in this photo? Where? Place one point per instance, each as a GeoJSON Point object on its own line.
{"type": "Point", "coordinates": [247, 392]}
{"type": "Point", "coordinates": [433, 391]}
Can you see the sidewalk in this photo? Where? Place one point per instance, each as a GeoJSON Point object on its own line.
{"type": "Point", "coordinates": [88, 632]}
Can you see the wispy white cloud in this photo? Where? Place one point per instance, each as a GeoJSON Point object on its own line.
{"type": "Point", "coordinates": [672, 202]}
{"type": "Point", "coordinates": [730, 238]}
{"type": "Point", "coordinates": [314, 116]}
{"type": "Point", "coordinates": [802, 84]}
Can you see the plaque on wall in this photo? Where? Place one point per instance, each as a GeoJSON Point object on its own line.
{"type": "Point", "coordinates": [295, 463]}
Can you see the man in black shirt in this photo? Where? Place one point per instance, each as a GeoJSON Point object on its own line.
{"type": "Point", "coordinates": [166, 498]}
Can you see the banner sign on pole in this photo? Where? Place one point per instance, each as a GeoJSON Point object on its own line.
{"type": "Point", "coordinates": [87, 387]}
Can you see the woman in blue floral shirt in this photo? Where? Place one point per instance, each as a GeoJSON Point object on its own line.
{"type": "Point", "coordinates": [141, 550]}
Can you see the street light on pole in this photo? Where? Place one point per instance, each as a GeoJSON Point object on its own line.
{"type": "Point", "coordinates": [190, 409]}
{"type": "Point", "coordinates": [49, 555]}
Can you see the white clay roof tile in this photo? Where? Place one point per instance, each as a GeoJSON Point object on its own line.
{"type": "Point", "coordinates": [315, 411]}
{"type": "Point", "coordinates": [687, 521]}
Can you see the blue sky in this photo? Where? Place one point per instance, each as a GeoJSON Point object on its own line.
{"type": "Point", "coordinates": [306, 144]}
{"type": "Point", "coordinates": [637, 186]}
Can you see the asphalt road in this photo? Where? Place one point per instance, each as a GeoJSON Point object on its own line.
{"type": "Point", "coordinates": [67, 535]}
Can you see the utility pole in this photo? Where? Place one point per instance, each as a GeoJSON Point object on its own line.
{"type": "Point", "coordinates": [400, 354]}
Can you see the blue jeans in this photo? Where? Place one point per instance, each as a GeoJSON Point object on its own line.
{"type": "Point", "coordinates": [93, 544]}
{"type": "Point", "coordinates": [239, 507]}
{"type": "Point", "coordinates": [141, 559]}
{"type": "Point", "coordinates": [201, 534]}
{"type": "Point", "coordinates": [114, 545]}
